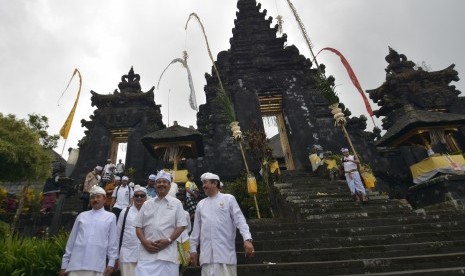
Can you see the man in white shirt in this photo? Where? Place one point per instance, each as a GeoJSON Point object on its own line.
{"type": "Point", "coordinates": [216, 219]}
{"type": "Point", "coordinates": [121, 197]}
{"type": "Point", "coordinates": [151, 191]}
{"type": "Point", "coordinates": [92, 240]}
{"type": "Point", "coordinates": [128, 242]}
{"type": "Point", "coordinates": [159, 223]}
{"type": "Point", "coordinates": [173, 188]}
{"type": "Point", "coordinates": [120, 168]}
{"type": "Point", "coordinates": [108, 169]}
{"type": "Point", "coordinates": [353, 176]}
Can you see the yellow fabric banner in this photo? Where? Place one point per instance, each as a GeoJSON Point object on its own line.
{"type": "Point", "coordinates": [64, 131]}
{"type": "Point", "coordinates": [251, 185]}
{"type": "Point", "coordinates": [275, 167]}
{"type": "Point", "coordinates": [436, 162]}
{"type": "Point", "coordinates": [331, 164]}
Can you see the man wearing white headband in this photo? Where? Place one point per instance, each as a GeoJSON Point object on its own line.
{"type": "Point", "coordinates": [92, 240]}
{"type": "Point", "coordinates": [349, 162]}
{"type": "Point", "coordinates": [160, 222]}
{"type": "Point", "coordinates": [121, 197]}
{"type": "Point", "coordinates": [215, 223]}
{"type": "Point", "coordinates": [129, 244]}
{"type": "Point", "coordinates": [151, 192]}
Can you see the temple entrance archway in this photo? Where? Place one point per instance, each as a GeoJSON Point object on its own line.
{"type": "Point", "coordinates": [271, 107]}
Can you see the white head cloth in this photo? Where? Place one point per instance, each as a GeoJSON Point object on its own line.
{"type": "Point", "coordinates": [209, 176]}
{"type": "Point", "coordinates": [152, 177]}
{"type": "Point", "coordinates": [163, 175]}
{"type": "Point", "coordinates": [139, 188]}
{"type": "Point", "coordinates": [98, 168]}
{"type": "Point", "coordinates": [131, 184]}
{"type": "Point", "coordinates": [344, 150]}
{"type": "Point", "coordinates": [125, 178]}
{"type": "Point", "coordinates": [97, 190]}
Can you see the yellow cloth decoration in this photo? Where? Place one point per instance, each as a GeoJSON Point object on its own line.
{"type": "Point", "coordinates": [275, 166]}
{"type": "Point", "coordinates": [64, 131]}
{"type": "Point", "coordinates": [369, 179]}
{"type": "Point", "coordinates": [251, 185]}
{"type": "Point", "coordinates": [436, 162]}
{"type": "Point", "coordinates": [331, 164]}
{"type": "Point", "coordinates": [179, 175]}
{"type": "Point", "coordinates": [184, 253]}
{"type": "Point", "coordinates": [315, 160]}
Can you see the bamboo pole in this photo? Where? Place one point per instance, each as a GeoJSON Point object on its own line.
{"type": "Point", "coordinates": [247, 170]}
{"type": "Point", "coordinates": [346, 134]}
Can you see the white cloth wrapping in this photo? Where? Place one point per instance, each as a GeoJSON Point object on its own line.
{"type": "Point", "coordinates": [156, 267]}
{"type": "Point", "coordinates": [85, 273]}
{"type": "Point", "coordinates": [92, 239]}
{"type": "Point", "coordinates": [216, 220]}
{"type": "Point", "coordinates": [355, 183]}
{"type": "Point", "coordinates": [127, 269]}
{"type": "Point", "coordinates": [123, 198]}
{"type": "Point", "coordinates": [130, 246]}
{"type": "Point", "coordinates": [353, 177]}
{"type": "Point", "coordinates": [158, 219]}
{"type": "Point", "coordinates": [219, 269]}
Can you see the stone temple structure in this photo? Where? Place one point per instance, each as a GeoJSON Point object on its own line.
{"type": "Point", "coordinates": [123, 116]}
{"type": "Point", "coordinates": [262, 76]}
{"type": "Point", "coordinates": [266, 78]}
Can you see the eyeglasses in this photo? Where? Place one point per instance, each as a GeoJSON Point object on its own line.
{"type": "Point", "coordinates": [139, 196]}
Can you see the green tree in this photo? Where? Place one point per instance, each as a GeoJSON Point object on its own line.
{"type": "Point", "coordinates": [22, 155]}
{"type": "Point", "coordinates": [39, 123]}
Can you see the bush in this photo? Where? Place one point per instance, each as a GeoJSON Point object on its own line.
{"type": "Point", "coordinates": [238, 188]}
{"type": "Point", "coordinates": [31, 256]}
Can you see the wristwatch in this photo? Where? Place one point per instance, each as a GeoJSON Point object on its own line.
{"type": "Point", "coordinates": [169, 239]}
{"type": "Point", "coordinates": [249, 240]}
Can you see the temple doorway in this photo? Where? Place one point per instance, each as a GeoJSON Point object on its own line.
{"type": "Point", "coordinates": [119, 145]}
{"type": "Point", "coordinates": [271, 109]}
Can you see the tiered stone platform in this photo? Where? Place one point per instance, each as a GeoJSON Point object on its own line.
{"type": "Point", "coordinates": [323, 232]}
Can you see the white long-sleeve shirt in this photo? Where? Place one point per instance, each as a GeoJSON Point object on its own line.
{"type": "Point", "coordinates": [216, 220]}
{"type": "Point", "coordinates": [92, 239]}
{"type": "Point", "coordinates": [130, 246]}
{"type": "Point", "coordinates": [158, 218]}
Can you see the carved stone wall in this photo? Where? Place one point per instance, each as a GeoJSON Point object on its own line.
{"type": "Point", "coordinates": [129, 109]}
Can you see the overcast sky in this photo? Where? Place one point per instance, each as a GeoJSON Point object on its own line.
{"type": "Point", "coordinates": [41, 42]}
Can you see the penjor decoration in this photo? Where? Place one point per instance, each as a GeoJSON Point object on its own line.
{"type": "Point", "coordinates": [225, 102]}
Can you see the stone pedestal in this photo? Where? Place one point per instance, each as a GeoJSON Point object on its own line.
{"type": "Point", "coordinates": [446, 191]}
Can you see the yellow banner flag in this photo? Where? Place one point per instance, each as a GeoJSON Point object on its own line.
{"type": "Point", "coordinates": [64, 131]}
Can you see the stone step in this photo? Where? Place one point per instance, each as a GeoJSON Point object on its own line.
{"type": "Point", "coordinates": [347, 267]}
{"type": "Point", "coordinates": [294, 241]}
{"type": "Point", "coordinates": [350, 231]}
{"type": "Point", "coordinates": [355, 252]}
{"type": "Point", "coordinates": [355, 231]}
{"type": "Point", "coordinates": [449, 271]}
{"type": "Point", "coordinates": [278, 224]}
{"type": "Point", "coordinates": [368, 207]}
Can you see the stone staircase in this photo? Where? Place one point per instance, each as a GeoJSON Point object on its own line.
{"type": "Point", "coordinates": [323, 232]}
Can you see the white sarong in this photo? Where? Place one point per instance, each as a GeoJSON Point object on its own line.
{"type": "Point", "coordinates": [157, 268]}
{"type": "Point", "coordinates": [85, 273]}
{"type": "Point", "coordinates": [127, 269]}
{"type": "Point", "coordinates": [219, 270]}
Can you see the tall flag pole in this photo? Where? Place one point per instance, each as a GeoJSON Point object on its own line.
{"type": "Point", "coordinates": [354, 79]}
{"type": "Point", "coordinates": [64, 131]}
